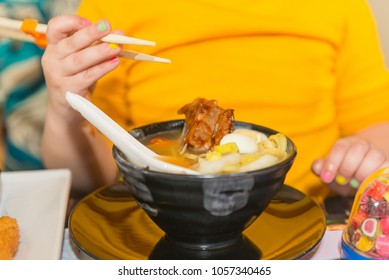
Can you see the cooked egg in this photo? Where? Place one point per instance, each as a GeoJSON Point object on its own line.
{"type": "Point", "coordinates": [246, 144]}
{"type": "Point", "coordinates": [255, 135]}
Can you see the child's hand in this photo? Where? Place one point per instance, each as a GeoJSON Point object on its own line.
{"type": "Point", "coordinates": [73, 61]}
{"type": "Point", "coordinates": [350, 161]}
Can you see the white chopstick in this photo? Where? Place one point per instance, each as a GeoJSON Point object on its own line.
{"type": "Point", "coordinates": [12, 29]}
{"type": "Point", "coordinates": [142, 56]}
{"type": "Point", "coordinates": [110, 38]}
{"type": "Point", "coordinates": [16, 35]}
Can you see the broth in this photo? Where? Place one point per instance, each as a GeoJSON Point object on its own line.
{"type": "Point", "coordinates": [223, 158]}
{"type": "Point", "coordinates": [168, 146]}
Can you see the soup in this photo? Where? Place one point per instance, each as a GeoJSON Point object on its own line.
{"type": "Point", "coordinates": [241, 150]}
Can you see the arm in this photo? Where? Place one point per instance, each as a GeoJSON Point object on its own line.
{"type": "Point", "coordinates": [362, 105]}
{"type": "Point", "coordinates": [72, 62]}
{"type": "Point", "coordinates": [80, 148]}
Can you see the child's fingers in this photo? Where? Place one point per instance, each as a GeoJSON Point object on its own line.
{"type": "Point", "coordinates": [317, 166]}
{"type": "Point", "coordinates": [92, 74]}
{"type": "Point", "coordinates": [352, 160]}
{"type": "Point", "coordinates": [82, 39]}
{"type": "Point", "coordinates": [89, 57]}
{"type": "Point", "coordinates": [61, 27]}
{"type": "Point", "coordinates": [334, 160]}
{"type": "Point", "coordinates": [373, 160]}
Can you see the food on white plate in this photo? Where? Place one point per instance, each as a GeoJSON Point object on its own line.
{"type": "Point", "coordinates": [9, 238]}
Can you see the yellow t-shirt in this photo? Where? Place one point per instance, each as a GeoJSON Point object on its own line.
{"type": "Point", "coordinates": [311, 69]}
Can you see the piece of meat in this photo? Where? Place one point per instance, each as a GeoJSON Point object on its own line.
{"type": "Point", "coordinates": [9, 238]}
{"type": "Point", "coordinates": [205, 124]}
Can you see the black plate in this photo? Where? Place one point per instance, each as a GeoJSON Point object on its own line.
{"type": "Point", "coordinates": [108, 224]}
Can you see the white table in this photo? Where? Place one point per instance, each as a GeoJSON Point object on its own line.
{"type": "Point", "coordinates": [329, 247]}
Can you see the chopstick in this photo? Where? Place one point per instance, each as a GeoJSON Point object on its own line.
{"type": "Point", "coordinates": [142, 56]}
{"type": "Point", "coordinates": [13, 29]}
{"type": "Point", "coordinates": [16, 35]}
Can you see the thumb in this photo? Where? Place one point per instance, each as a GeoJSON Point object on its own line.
{"type": "Point", "coordinates": [317, 166]}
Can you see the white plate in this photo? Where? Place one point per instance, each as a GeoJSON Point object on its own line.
{"type": "Point", "coordinates": [38, 201]}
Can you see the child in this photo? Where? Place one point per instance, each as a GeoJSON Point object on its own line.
{"type": "Point", "coordinates": [312, 70]}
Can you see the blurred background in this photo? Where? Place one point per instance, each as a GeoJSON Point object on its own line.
{"type": "Point", "coordinates": [381, 12]}
{"type": "Point", "coordinates": [23, 93]}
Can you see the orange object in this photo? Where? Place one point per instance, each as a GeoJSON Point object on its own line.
{"type": "Point", "coordinates": [160, 141]}
{"type": "Point", "coordinates": [9, 237]}
{"type": "Point", "coordinates": [29, 26]}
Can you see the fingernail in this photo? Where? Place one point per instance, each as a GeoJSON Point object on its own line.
{"type": "Point", "coordinates": [114, 59]}
{"type": "Point", "coordinates": [315, 167]}
{"type": "Point", "coordinates": [341, 180]}
{"type": "Point", "coordinates": [327, 177]}
{"type": "Point", "coordinates": [102, 26]}
{"type": "Point", "coordinates": [113, 45]}
{"type": "Point", "coordinates": [86, 22]}
{"type": "Point", "coordinates": [354, 183]}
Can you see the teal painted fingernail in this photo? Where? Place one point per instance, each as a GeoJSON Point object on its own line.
{"type": "Point", "coordinates": [354, 183]}
{"type": "Point", "coordinates": [102, 26]}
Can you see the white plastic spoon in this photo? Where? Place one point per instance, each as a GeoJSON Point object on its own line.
{"type": "Point", "coordinates": [135, 151]}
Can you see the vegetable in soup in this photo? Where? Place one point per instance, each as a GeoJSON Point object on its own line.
{"type": "Point", "coordinates": [241, 150]}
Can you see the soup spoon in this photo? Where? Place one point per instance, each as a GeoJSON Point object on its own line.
{"type": "Point", "coordinates": [134, 151]}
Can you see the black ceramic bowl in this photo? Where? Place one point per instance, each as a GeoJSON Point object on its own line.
{"type": "Point", "coordinates": [203, 212]}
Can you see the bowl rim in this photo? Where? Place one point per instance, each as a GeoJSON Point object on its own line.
{"type": "Point", "coordinates": [119, 157]}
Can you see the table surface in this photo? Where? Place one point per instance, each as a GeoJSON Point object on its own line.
{"type": "Point", "coordinates": [328, 248]}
